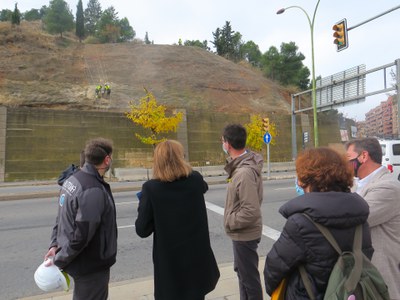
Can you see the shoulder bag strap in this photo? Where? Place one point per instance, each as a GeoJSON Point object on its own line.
{"type": "Point", "coordinates": [306, 282]}
{"type": "Point", "coordinates": [326, 233]}
{"type": "Point", "coordinates": [303, 273]}
{"type": "Point", "coordinates": [355, 275]}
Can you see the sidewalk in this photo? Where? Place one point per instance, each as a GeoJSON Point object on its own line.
{"type": "Point", "coordinates": [142, 288]}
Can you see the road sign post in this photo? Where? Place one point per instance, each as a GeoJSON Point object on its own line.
{"type": "Point", "coordinates": [267, 139]}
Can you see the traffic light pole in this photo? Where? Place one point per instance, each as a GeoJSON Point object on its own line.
{"type": "Point", "coordinates": [294, 137]}
{"type": "Point", "coordinates": [373, 18]}
{"type": "Point", "coordinates": [314, 97]}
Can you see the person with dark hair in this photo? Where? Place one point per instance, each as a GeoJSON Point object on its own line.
{"type": "Point", "coordinates": [172, 208]}
{"type": "Point", "coordinates": [84, 239]}
{"type": "Point", "coordinates": [382, 193]}
{"type": "Point", "coordinates": [326, 178]}
{"type": "Point", "coordinates": [242, 216]}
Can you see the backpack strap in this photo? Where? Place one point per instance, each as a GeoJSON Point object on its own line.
{"type": "Point", "coordinates": [306, 282]}
{"type": "Point", "coordinates": [352, 281]}
{"type": "Point", "coordinates": [355, 275]}
{"type": "Point", "coordinates": [327, 234]}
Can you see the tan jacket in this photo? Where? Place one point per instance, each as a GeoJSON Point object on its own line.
{"type": "Point", "coordinates": [382, 194]}
{"type": "Point", "coordinates": [242, 216]}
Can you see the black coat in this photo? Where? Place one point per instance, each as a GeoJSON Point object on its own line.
{"type": "Point", "coordinates": [301, 243]}
{"type": "Point", "coordinates": [184, 263]}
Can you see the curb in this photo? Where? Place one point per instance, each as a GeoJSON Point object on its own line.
{"type": "Point", "coordinates": [134, 187]}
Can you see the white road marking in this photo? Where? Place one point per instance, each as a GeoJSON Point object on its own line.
{"type": "Point", "coordinates": [127, 226]}
{"type": "Point", "coordinates": [126, 203]}
{"type": "Point", "coordinates": [267, 231]}
{"type": "Point", "coordinates": [284, 188]}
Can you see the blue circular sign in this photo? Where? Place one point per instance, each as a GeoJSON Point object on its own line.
{"type": "Point", "coordinates": [267, 138]}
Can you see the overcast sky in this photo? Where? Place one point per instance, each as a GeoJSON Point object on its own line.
{"type": "Point", "coordinates": [374, 44]}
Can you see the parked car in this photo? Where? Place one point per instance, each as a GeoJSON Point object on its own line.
{"type": "Point", "coordinates": [391, 156]}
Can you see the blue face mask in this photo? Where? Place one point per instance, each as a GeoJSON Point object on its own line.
{"type": "Point", "coordinates": [299, 190]}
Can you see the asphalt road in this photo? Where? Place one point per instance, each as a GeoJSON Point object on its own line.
{"type": "Point", "coordinates": [25, 227]}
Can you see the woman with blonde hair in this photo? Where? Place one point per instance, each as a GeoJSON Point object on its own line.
{"type": "Point", "coordinates": [172, 207]}
{"type": "Point", "coordinates": [326, 178]}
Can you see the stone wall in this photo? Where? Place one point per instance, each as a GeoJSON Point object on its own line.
{"type": "Point", "coordinates": [37, 144]}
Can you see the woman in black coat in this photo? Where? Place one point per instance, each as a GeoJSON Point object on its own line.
{"type": "Point", "coordinates": [326, 179]}
{"type": "Point", "coordinates": [172, 207]}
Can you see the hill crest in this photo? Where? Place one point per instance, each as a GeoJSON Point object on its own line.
{"type": "Point", "coordinates": [40, 70]}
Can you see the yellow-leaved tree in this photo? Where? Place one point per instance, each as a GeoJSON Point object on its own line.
{"type": "Point", "coordinates": [255, 133]}
{"type": "Point", "coordinates": [151, 116]}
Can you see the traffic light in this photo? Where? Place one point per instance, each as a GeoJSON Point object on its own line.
{"type": "Point", "coordinates": [265, 124]}
{"type": "Point", "coordinates": [340, 35]}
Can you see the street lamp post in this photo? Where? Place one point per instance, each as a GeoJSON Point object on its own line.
{"type": "Point", "coordinates": [314, 97]}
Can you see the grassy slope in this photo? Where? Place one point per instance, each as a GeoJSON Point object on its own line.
{"type": "Point", "coordinates": [41, 70]}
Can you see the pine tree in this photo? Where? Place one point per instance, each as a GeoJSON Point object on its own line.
{"type": "Point", "coordinates": [5, 15]}
{"type": "Point", "coordinates": [93, 14]}
{"type": "Point", "coordinates": [80, 22]}
{"type": "Point", "coordinates": [107, 28]}
{"type": "Point", "coordinates": [228, 42]}
{"type": "Point", "coordinates": [286, 66]}
{"type": "Point", "coordinates": [146, 39]}
{"type": "Point", "coordinates": [16, 16]}
{"type": "Point", "coordinates": [126, 31]}
{"type": "Point", "coordinates": [32, 15]}
{"type": "Point", "coordinates": [58, 18]}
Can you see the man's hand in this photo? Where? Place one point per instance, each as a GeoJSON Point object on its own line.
{"type": "Point", "coordinates": [49, 256]}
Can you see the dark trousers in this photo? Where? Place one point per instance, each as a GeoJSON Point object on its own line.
{"type": "Point", "coordinates": [92, 286]}
{"type": "Point", "coordinates": [246, 266]}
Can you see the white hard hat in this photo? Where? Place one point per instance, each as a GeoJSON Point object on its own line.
{"type": "Point", "coordinates": [51, 278]}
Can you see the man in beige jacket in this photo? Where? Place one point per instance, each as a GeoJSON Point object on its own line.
{"type": "Point", "coordinates": [242, 216]}
{"type": "Point", "coordinates": [382, 193]}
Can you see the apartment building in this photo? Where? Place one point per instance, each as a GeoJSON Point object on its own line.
{"type": "Point", "coordinates": [382, 120]}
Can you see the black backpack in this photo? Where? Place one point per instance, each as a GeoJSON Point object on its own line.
{"type": "Point", "coordinates": [66, 173]}
{"type": "Point", "coordinates": [353, 276]}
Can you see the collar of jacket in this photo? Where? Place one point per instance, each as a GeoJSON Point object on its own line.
{"type": "Point", "coordinates": [91, 169]}
{"type": "Point", "coordinates": [331, 209]}
{"type": "Point", "coordinates": [250, 159]}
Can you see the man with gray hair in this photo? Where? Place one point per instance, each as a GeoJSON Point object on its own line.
{"type": "Point", "coordinates": [382, 193]}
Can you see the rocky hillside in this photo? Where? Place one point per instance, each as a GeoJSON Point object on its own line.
{"type": "Point", "coordinates": [41, 70]}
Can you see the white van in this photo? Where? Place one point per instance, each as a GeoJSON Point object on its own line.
{"type": "Point", "coordinates": [391, 156]}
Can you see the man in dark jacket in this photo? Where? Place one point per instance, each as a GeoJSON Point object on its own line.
{"type": "Point", "coordinates": [84, 238]}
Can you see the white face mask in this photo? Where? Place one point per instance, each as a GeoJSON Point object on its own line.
{"type": "Point", "coordinates": [223, 148]}
{"type": "Point", "coordinates": [109, 165]}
